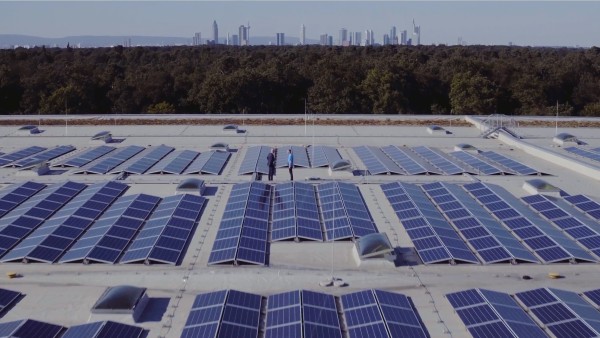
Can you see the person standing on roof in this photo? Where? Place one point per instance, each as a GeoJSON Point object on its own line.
{"type": "Point", "coordinates": [291, 164]}
{"type": "Point", "coordinates": [271, 163]}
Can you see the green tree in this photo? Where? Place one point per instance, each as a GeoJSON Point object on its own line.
{"type": "Point", "coordinates": [161, 108]}
{"type": "Point", "coordinates": [472, 94]}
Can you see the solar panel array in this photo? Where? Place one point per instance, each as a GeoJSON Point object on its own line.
{"type": "Point", "coordinates": [488, 313]}
{"type": "Point", "coordinates": [300, 156]}
{"type": "Point", "coordinates": [7, 299]}
{"type": "Point", "coordinates": [243, 232]}
{"type": "Point", "coordinates": [85, 157]}
{"type": "Point", "coordinates": [165, 235]}
{"type": "Point", "coordinates": [586, 235]}
{"type": "Point", "coordinates": [21, 221]}
{"type": "Point", "coordinates": [144, 160]}
{"type": "Point", "coordinates": [440, 160]}
{"type": "Point", "coordinates": [174, 163]}
{"type": "Point", "coordinates": [563, 313]}
{"type": "Point", "coordinates": [507, 162]}
{"type": "Point", "coordinates": [585, 204]}
{"type": "Point", "coordinates": [108, 237]}
{"type": "Point", "coordinates": [541, 237]}
{"type": "Point", "coordinates": [48, 242]}
{"type": "Point", "coordinates": [323, 156]}
{"type": "Point", "coordinates": [226, 313]}
{"type": "Point", "coordinates": [103, 329]}
{"type": "Point", "coordinates": [377, 313]}
{"type": "Point", "coordinates": [108, 163]}
{"type": "Point", "coordinates": [8, 158]}
{"type": "Point", "coordinates": [14, 195]}
{"type": "Point", "coordinates": [29, 328]}
{"type": "Point", "coordinates": [210, 162]}
{"type": "Point", "coordinates": [255, 161]}
{"type": "Point", "coordinates": [481, 167]}
{"type": "Point", "coordinates": [345, 214]}
{"type": "Point", "coordinates": [295, 212]}
{"type": "Point", "coordinates": [592, 155]}
{"type": "Point", "coordinates": [593, 296]}
{"type": "Point", "coordinates": [302, 313]}
{"type": "Point", "coordinates": [489, 239]}
{"type": "Point", "coordinates": [434, 238]}
{"type": "Point", "coordinates": [377, 161]}
{"type": "Point", "coordinates": [46, 155]}
{"type": "Point", "coordinates": [409, 161]}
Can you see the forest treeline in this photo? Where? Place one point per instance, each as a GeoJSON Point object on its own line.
{"type": "Point", "coordinates": [278, 80]}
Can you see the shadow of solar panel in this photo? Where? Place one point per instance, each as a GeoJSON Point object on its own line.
{"type": "Point", "coordinates": [6, 159]}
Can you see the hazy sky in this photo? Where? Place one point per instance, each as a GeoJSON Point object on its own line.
{"type": "Point", "coordinates": [545, 23]}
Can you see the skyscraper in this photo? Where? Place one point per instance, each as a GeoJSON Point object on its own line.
{"type": "Point", "coordinates": [302, 34]}
{"type": "Point", "coordinates": [393, 36]}
{"type": "Point", "coordinates": [416, 33]}
{"type": "Point", "coordinates": [357, 39]}
{"type": "Point", "coordinates": [215, 32]}
{"type": "Point", "coordinates": [403, 37]}
{"type": "Point", "coordinates": [244, 35]}
{"type": "Point", "coordinates": [386, 39]}
{"type": "Point", "coordinates": [235, 40]}
{"type": "Point", "coordinates": [197, 40]}
{"type": "Point", "coordinates": [323, 40]}
{"type": "Point", "coordinates": [280, 39]}
{"type": "Point", "coordinates": [343, 37]}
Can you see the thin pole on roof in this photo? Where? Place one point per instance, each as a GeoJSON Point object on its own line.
{"type": "Point", "coordinates": [556, 127]}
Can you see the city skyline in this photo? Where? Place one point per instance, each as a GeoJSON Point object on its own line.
{"type": "Point", "coordinates": [521, 23]}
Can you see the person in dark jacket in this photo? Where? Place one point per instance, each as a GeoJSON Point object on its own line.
{"type": "Point", "coordinates": [271, 163]}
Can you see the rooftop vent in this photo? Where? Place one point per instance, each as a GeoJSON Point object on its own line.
{"type": "Point", "coordinates": [539, 186]}
{"type": "Point", "coordinates": [191, 185]}
{"type": "Point", "coordinates": [565, 138]}
{"type": "Point", "coordinates": [341, 165]}
{"type": "Point", "coordinates": [434, 129]}
{"type": "Point", "coordinates": [122, 299]}
{"type": "Point", "coordinates": [465, 147]}
{"type": "Point", "coordinates": [103, 136]}
{"type": "Point", "coordinates": [220, 146]}
{"type": "Point", "coordinates": [230, 128]}
{"type": "Point", "coordinates": [375, 245]}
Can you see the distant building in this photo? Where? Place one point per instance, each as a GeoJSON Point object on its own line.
{"type": "Point", "coordinates": [324, 40]}
{"type": "Point", "coordinates": [302, 34]}
{"type": "Point", "coordinates": [343, 37]}
{"type": "Point", "coordinates": [235, 40]}
{"type": "Point", "coordinates": [197, 40]}
{"type": "Point", "coordinates": [244, 35]}
{"type": "Point", "coordinates": [280, 39]}
{"type": "Point", "coordinates": [403, 37]}
{"type": "Point", "coordinates": [386, 39]}
{"type": "Point", "coordinates": [330, 40]}
{"type": "Point", "coordinates": [357, 38]}
{"type": "Point", "coordinates": [416, 34]}
{"type": "Point", "coordinates": [215, 33]}
{"type": "Point", "coordinates": [393, 36]}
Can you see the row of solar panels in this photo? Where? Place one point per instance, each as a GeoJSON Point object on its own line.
{"type": "Point", "coordinates": [482, 222]}
{"type": "Point", "coordinates": [592, 154]}
{"type": "Point", "coordinates": [74, 222]}
{"type": "Point", "coordinates": [303, 313]}
{"type": "Point", "coordinates": [329, 211]}
{"type": "Point", "coordinates": [255, 160]}
{"type": "Point", "coordinates": [544, 312]}
{"type": "Point", "coordinates": [129, 159]}
{"type": "Point", "coordinates": [29, 328]}
{"type": "Point", "coordinates": [426, 160]}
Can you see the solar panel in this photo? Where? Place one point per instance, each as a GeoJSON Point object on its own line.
{"type": "Point", "coordinates": [585, 204]}
{"type": "Point", "coordinates": [12, 196]}
{"type": "Point", "coordinates": [255, 161]}
{"type": "Point", "coordinates": [593, 296]}
{"type": "Point", "coordinates": [434, 238]}
{"type": "Point", "coordinates": [46, 155]}
{"type": "Point", "coordinates": [295, 212]}
{"type": "Point", "coordinates": [544, 239]}
{"type": "Point", "coordinates": [19, 154]}
{"type": "Point", "coordinates": [243, 232]}
{"type": "Point", "coordinates": [48, 242]}
{"type": "Point", "coordinates": [7, 299]}
{"type": "Point", "coordinates": [108, 163]}
{"type": "Point", "coordinates": [376, 161]}
{"type": "Point", "coordinates": [376, 313]}
{"type": "Point", "coordinates": [166, 234]}
{"type": "Point", "coordinates": [210, 162]}
{"type": "Point", "coordinates": [284, 315]}
{"type": "Point", "coordinates": [103, 329]}
{"type": "Point", "coordinates": [86, 156]}
{"type": "Point", "coordinates": [144, 160]}
{"type": "Point", "coordinates": [26, 328]}
{"type": "Point", "coordinates": [409, 161]}
{"type": "Point", "coordinates": [231, 313]}
{"type": "Point", "coordinates": [564, 313]}
{"type": "Point", "coordinates": [513, 166]}
{"type": "Point", "coordinates": [480, 166]}
{"type": "Point", "coordinates": [439, 160]}
{"type": "Point", "coordinates": [584, 153]}
{"type": "Point", "coordinates": [300, 156]}
{"type": "Point", "coordinates": [487, 237]}
{"type": "Point", "coordinates": [345, 214]}
{"type": "Point", "coordinates": [323, 156]}
{"type": "Point", "coordinates": [488, 313]}
{"type": "Point", "coordinates": [174, 163]}
{"type": "Point", "coordinates": [580, 229]}
{"type": "Point", "coordinates": [18, 224]}
{"type": "Point", "coordinates": [107, 238]}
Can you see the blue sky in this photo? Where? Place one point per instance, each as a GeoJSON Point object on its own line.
{"type": "Point", "coordinates": [538, 23]}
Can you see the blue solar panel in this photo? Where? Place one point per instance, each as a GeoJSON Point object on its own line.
{"type": "Point", "coordinates": [376, 161]}
{"type": "Point", "coordinates": [106, 329]}
{"type": "Point", "coordinates": [6, 159]}
{"type": "Point", "coordinates": [295, 212]}
{"type": "Point", "coordinates": [43, 156]}
{"type": "Point", "coordinates": [255, 161]}
{"type": "Point", "coordinates": [478, 164]}
{"type": "Point", "coordinates": [409, 161]}
{"type": "Point", "coordinates": [323, 156]}
{"type": "Point", "coordinates": [434, 238]}
{"type": "Point", "coordinates": [488, 313]}
{"type": "Point", "coordinates": [592, 155]}
{"type": "Point", "coordinates": [439, 160]}
{"type": "Point", "coordinates": [514, 166]}
{"type": "Point", "coordinates": [585, 204]}
{"type": "Point", "coordinates": [144, 160]}
{"type": "Point", "coordinates": [86, 156]}
{"type": "Point", "coordinates": [166, 233]}
{"type": "Point", "coordinates": [16, 194]}
{"type": "Point", "coordinates": [345, 215]}
{"type": "Point", "coordinates": [243, 232]}
{"type": "Point", "coordinates": [29, 328]}
{"type": "Point", "coordinates": [300, 156]}
{"type": "Point", "coordinates": [7, 299]}
{"type": "Point", "coordinates": [108, 163]}
{"type": "Point", "coordinates": [210, 162]}
{"type": "Point", "coordinates": [593, 296]}
{"type": "Point", "coordinates": [108, 237]}
{"type": "Point", "coordinates": [564, 313]}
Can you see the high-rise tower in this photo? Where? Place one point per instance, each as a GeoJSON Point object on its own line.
{"type": "Point", "coordinates": [302, 34]}
{"type": "Point", "coordinates": [416, 33]}
{"type": "Point", "coordinates": [343, 37]}
{"type": "Point", "coordinates": [215, 32]}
